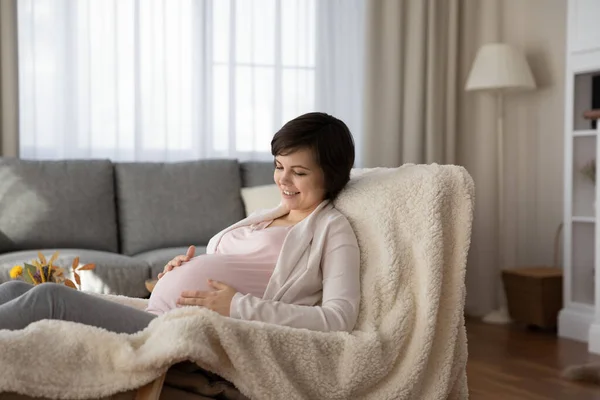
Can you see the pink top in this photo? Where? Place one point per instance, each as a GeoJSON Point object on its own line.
{"type": "Point", "coordinates": [244, 259]}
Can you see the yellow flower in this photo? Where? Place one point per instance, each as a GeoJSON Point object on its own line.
{"type": "Point", "coordinates": [16, 272]}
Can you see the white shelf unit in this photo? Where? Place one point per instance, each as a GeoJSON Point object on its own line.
{"type": "Point", "coordinates": [580, 236]}
{"type": "Point", "coordinates": [584, 133]}
{"type": "Point", "coordinates": [589, 220]}
{"type": "Point", "coordinates": [579, 318]}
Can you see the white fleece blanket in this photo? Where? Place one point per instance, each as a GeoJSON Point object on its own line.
{"type": "Point", "coordinates": [413, 225]}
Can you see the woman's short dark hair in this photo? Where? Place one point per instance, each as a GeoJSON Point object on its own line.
{"type": "Point", "coordinates": [328, 138]}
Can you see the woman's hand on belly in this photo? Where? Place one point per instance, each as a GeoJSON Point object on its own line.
{"type": "Point", "coordinates": [218, 300]}
{"type": "Point", "coordinates": [177, 261]}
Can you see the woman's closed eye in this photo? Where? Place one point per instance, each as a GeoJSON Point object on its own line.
{"type": "Point", "coordinates": [280, 168]}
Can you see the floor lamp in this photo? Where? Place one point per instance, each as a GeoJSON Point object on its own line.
{"type": "Point", "coordinates": [499, 68]}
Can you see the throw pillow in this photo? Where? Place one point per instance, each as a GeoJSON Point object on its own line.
{"type": "Point", "coordinates": [260, 197]}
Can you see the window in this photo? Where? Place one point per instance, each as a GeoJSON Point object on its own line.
{"type": "Point", "coordinates": [158, 80]}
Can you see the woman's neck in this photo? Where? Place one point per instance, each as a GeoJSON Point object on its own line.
{"type": "Point", "coordinates": [295, 216]}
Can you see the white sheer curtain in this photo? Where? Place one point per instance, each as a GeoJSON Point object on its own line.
{"type": "Point", "coordinates": [158, 80]}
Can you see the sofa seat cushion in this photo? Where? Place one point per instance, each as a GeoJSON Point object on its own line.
{"type": "Point", "coordinates": [162, 205]}
{"type": "Point", "coordinates": [57, 204]}
{"type": "Point", "coordinates": [114, 273]}
{"type": "Point", "coordinates": [157, 259]}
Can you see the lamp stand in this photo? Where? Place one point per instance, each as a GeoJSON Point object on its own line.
{"type": "Point", "coordinates": [500, 315]}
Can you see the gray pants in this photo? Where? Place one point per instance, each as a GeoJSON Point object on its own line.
{"type": "Point", "coordinates": [22, 304]}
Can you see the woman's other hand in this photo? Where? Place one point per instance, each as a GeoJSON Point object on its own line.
{"type": "Point", "coordinates": [177, 261]}
{"type": "Point", "coordinates": [218, 300]}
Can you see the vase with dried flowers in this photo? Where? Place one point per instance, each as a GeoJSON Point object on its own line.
{"type": "Point", "coordinates": [42, 270]}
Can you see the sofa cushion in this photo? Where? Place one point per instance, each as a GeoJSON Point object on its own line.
{"type": "Point", "coordinates": [46, 204]}
{"type": "Point", "coordinates": [256, 173]}
{"type": "Point", "coordinates": [157, 259]}
{"type": "Point", "coordinates": [176, 204]}
{"type": "Point", "coordinates": [114, 273]}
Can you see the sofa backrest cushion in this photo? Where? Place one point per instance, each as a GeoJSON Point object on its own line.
{"type": "Point", "coordinates": [176, 204]}
{"type": "Point", "coordinates": [257, 173]}
{"type": "Point", "coordinates": [57, 204]}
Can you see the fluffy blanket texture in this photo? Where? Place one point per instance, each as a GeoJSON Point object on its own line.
{"type": "Point", "coordinates": [413, 225]}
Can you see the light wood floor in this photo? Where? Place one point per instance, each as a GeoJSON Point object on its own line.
{"type": "Point", "coordinates": [512, 362]}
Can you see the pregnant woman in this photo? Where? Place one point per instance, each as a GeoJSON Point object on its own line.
{"type": "Point", "coordinates": [295, 265]}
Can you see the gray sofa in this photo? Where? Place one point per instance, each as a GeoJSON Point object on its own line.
{"type": "Point", "coordinates": [127, 218]}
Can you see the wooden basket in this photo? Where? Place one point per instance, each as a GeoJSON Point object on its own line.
{"type": "Point", "coordinates": [534, 295]}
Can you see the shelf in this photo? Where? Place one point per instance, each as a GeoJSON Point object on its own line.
{"type": "Point", "coordinates": [585, 61]}
{"type": "Point", "coordinates": [582, 263]}
{"type": "Point", "coordinates": [589, 220]}
{"type": "Point", "coordinates": [588, 132]}
{"type": "Point", "coordinates": [583, 94]}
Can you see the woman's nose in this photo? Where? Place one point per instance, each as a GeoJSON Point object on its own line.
{"type": "Point", "coordinates": [285, 177]}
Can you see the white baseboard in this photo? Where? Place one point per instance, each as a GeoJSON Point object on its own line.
{"type": "Point", "coordinates": [594, 337]}
{"type": "Point", "coordinates": [575, 324]}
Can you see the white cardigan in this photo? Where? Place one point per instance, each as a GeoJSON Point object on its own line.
{"type": "Point", "coordinates": [316, 282]}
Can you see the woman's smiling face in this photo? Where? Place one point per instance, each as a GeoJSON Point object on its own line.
{"type": "Point", "coordinates": [300, 180]}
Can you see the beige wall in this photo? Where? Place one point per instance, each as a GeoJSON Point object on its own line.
{"type": "Point", "coordinates": [534, 126]}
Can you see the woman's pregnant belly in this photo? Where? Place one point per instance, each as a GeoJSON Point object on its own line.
{"type": "Point", "coordinates": [245, 274]}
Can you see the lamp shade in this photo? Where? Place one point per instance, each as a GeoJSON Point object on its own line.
{"type": "Point", "coordinates": [499, 66]}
